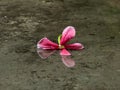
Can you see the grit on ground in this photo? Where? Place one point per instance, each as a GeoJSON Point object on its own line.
{"type": "Point", "coordinates": [24, 22]}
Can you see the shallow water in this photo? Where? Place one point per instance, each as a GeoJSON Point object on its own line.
{"type": "Point", "coordinates": [24, 22]}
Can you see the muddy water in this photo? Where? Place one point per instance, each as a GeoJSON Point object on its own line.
{"type": "Point", "coordinates": [24, 22]}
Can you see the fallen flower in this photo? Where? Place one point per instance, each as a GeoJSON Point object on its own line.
{"type": "Point", "coordinates": [45, 47]}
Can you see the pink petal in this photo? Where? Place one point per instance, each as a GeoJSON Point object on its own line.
{"type": "Point", "coordinates": [44, 53]}
{"type": "Point", "coordinates": [67, 34]}
{"type": "Point", "coordinates": [64, 52]}
{"type": "Point", "coordinates": [68, 61]}
{"type": "Point", "coordinates": [75, 46]}
{"type": "Point", "coordinates": [45, 43]}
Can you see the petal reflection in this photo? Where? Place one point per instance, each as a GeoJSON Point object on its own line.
{"type": "Point", "coordinates": [44, 53]}
{"type": "Point", "coordinates": [68, 61]}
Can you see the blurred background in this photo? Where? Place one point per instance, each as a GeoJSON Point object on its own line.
{"type": "Point", "coordinates": [24, 22]}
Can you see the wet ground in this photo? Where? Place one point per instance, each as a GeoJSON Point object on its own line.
{"type": "Point", "coordinates": [24, 22]}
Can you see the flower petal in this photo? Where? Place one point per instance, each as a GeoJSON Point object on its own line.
{"type": "Point", "coordinates": [75, 46]}
{"type": "Point", "coordinates": [45, 43]}
{"type": "Point", "coordinates": [64, 52]}
{"type": "Point", "coordinates": [68, 61]}
{"type": "Point", "coordinates": [44, 53]}
{"type": "Point", "coordinates": [67, 34]}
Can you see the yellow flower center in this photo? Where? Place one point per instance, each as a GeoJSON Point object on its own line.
{"type": "Point", "coordinates": [61, 47]}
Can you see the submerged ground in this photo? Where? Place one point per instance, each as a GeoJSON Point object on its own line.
{"type": "Point", "coordinates": [24, 22]}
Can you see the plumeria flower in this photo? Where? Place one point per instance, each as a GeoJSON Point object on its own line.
{"type": "Point", "coordinates": [46, 47]}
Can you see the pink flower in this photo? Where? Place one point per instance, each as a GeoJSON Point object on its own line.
{"type": "Point", "coordinates": [47, 47]}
